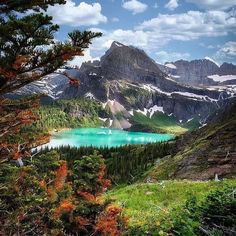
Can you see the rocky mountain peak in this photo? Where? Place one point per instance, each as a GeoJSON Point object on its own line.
{"type": "Point", "coordinates": [227, 69]}
{"type": "Point", "coordinates": [212, 60]}
{"type": "Point", "coordinates": [127, 62]}
{"type": "Point", "coordinates": [116, 44]}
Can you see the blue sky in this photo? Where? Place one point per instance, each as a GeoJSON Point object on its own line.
{"type": "Point", "coordinates": [167, 30]}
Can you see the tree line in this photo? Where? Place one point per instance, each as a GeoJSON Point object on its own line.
{"type": "Point", "coordinates": [125, 164]}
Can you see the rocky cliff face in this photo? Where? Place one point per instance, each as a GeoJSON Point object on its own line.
{"type": "Point", "coordinates": [227, 69]}
{"type": "Point", "coordinates": [200, 72]}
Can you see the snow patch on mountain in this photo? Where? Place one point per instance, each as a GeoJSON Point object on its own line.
{"type": "Point", "coordinates": [222, 78]}
{"type": "Point", "coordinates": [93, 73]}
{"type": "Point", "coordinates": [171, 66]}
{"type": "Point", "coordinates": [90, 95]}
{"type": "Point", "coordinates": [154, 109]}
{"type": "Point", "coordinates": [110, 122]}
{"type": "Point", "coordinates": [193, 95]}
{"type": "Point", "coordinates": [102, 119]}
{"type": "Point", "coordinates": [229, 89]}
{"type": "Point", "coordinates": [131, 112]}
{"type": "Point", "coordinates": [151, 111]}
{"type": "Point", "coordinates": [152, 88]}
{"type": "Point", "coordinates": [118, 44]}
{"type": "Point", "coordinates": [144, 112]}
{"type": "Point", "coordinates": [189, 120]}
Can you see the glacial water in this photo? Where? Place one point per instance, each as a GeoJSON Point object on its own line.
{"type": "Point", "coordinates": [100, 137]}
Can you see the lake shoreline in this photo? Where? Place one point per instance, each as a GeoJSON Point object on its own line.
{"type": "Point", "coordinates": [55, 131]}
{"type": "Point", "coordinates": [99, 137]}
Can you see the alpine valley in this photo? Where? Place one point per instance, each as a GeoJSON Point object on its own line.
{"type": "Point", "coordinates": [137, 142]}
{"type": "Point", "coordinates": [174, 187]}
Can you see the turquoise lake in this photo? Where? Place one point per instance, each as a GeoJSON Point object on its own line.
{"type": "Point", "coordinates": [101, 137]}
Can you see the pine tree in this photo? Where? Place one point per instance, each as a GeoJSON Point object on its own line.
{"type": "Point", "coordinates": [28, 52]}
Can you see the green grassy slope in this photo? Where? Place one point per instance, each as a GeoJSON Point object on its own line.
{"type": "Point", "coordinates": [153, 205]}
{"type": "Point", "coordinates": [159, 122]}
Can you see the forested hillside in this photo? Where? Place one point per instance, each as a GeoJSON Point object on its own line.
{"type": "Point", "coordinates": [70, 114]}
{"type": "Point", "coordinates": [125, 164]}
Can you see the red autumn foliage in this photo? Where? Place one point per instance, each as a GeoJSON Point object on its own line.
{"type": "Point", "coordinates": [101, 180]}
{"type": "Point", "coordinates": [61, 176]}
{"type": "Point", "coordinates": [107, 223]}
{"type": "Point", "coordinates": [20, 216]}
{"type": "Point", "coordinates": [89, 197]}
{"type": "Point", "coordinates": [14, 115]}
{"type": "Point", "coordinates": [66, 206]}
{"type": "Point", "coordinates": [43, 184]}
{"type": "Point", "coordinates": [82, 222]}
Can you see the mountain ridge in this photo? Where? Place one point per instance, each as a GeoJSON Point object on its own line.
{"type": "Point", "coordinates": [134, 81]}
{"type": "Point", "coordinates": [199, 72]}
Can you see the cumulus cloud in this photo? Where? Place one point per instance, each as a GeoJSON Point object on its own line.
{"type": "Point", "coordinates": [164, 56]}
{"type": "Point", "coordinates": [172, 4]}
{"type": "Point", "coordinates": [213, 4]}
{"type": "Point", "coordinates": [128, 37]}
{"type": "Point", "coordinates": [77, 15]}
{"type": "Point", "coordinates": [153, 34]}
{"type": "Point", "coordinates": [190, 25]}
{"type": "Point", "coordinates": [78, 60]}
{"type": "Point", "coordinates": [135, 6]}
{"type": "Point", "coordinates": [227, 52]}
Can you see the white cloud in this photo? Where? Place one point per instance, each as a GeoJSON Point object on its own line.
{"type": "Point", "coordinates": [172, 4]}
{"type": "Point", "coordinates": [78, 60]}
{"type": "Point", "coordinates": [128, 37]}
{"type": "Point", "coordinates": [164, 56]}
{"type": "Point", "coordinates": [135, 6]}
{"type": "Point", "coordinates": [77, 15]}
{"type": "Point", "coordinates": [153, 34]}
{"type": "Point", "coordinates": [227, 52]}
{"type": "Point", "coordinates": [213, 4]}
{"type": "Point", "coordinates": [190, 25]}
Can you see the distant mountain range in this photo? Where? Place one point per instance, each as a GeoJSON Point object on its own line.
{"type": "Point", "coordinates": [200, 72]}
{"type": "Point", "coordinates": [133, 85]}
